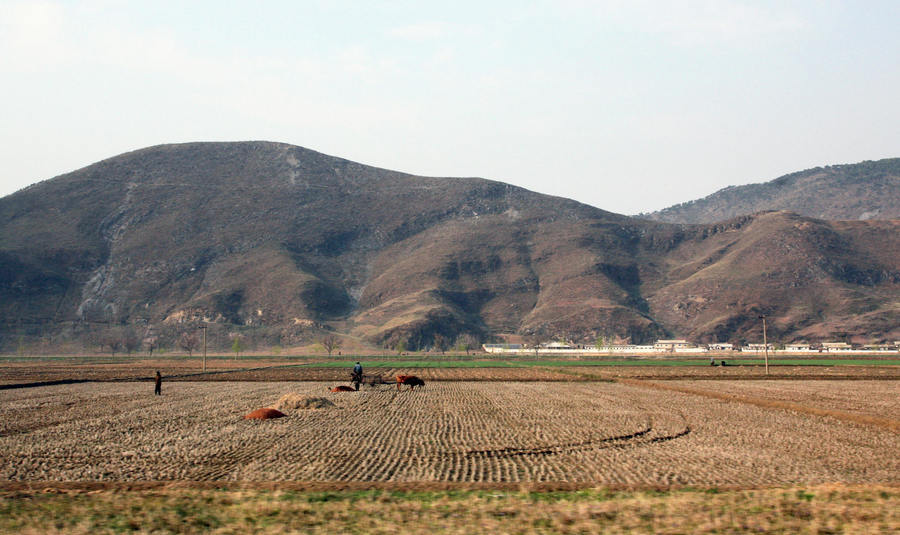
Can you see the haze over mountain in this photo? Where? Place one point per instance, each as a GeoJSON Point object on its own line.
{"type": "Point", "coordinates": [866, 190]}
{"type": "Point", "coordinates": [280, 243]}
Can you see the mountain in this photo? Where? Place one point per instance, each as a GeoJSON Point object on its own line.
{"type": "Point", "coordinates": [280, 244]}
{"type": "Point", "coordinates": [867, 190]}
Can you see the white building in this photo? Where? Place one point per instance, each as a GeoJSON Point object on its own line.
{"type": "Point", "coordinates": [670, 345]}
{"type": "Point", "coordinates": [503, 348]}
{"type": "Point", "coordinates": [691, 349]}
{"type": "Point", "coordinates": [627, 348]}
{"type": "Point", "coordinates": [878, 347]}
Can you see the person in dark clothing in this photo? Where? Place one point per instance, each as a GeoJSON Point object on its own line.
{"type": "Point", "coordinates": [356, 376]}
{"type": "Point", "coordinates": [158, 389]}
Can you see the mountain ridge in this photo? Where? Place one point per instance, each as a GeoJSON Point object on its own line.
{"type": "Point", "coordinates": [866, 190]}
{"type": "Point", "coordinates": [280, 243]}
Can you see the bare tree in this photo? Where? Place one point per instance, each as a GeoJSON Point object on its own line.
{"type": "Point", "coordinates": [467, 342]}
{"type": "Point", "coordinates": [473, 342]}
{"type": "Point", "coordinates": [151, 343]}
{"type": "Point", "coordinates": [94, 341]}
{"type": "Point", "coordinates": [130, 341]}
{"type": "Point", "coordinates": [440, 342]}
{"type": "Point", "coordinates": [151, 339]}
{"type": "Point", "coordinates": [113, 341]}
{"type": "Point", "coordinates": [189, 341]}
{"type": "Point", "coordinates": [330, 343]}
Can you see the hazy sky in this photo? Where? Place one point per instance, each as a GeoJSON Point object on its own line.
{"type": "Point", "coordinates": [626, 105]}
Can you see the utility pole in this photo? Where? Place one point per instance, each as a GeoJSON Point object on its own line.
{"type": "Point", "coordinates": [203, 328]}
{"type": "Point", "coordinates": [765, 342]}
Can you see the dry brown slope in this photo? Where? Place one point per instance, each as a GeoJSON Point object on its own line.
{"type": "Point", "coordinates": [866, 190]}
{"type": "Point", "coordinates": [279, 242]}
{"type": "Point", "coordinates": [274, 236]}
{"type": "Point", "coordinates": [803, 273]}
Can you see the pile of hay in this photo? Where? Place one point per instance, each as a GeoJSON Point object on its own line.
{"type": "Point", "coordinates": [264, 414]}
{"type": "Point", "coordinates": [293, 401]}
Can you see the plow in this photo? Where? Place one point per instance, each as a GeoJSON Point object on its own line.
{"type": "Point", "coordinates": [376, 380]}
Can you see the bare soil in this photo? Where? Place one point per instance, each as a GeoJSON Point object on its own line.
{"type": "Point", "coordinates": [453, 432]}
{"type": "Point", "coordinates": [879, 399]}
{"type": "Point", "coordinates": [25, 372]}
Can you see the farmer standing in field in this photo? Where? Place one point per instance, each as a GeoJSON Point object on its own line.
{"type": "Point", "coordinates": [158, 389]}
{"type": "Point", "coordinates": [356, 376]}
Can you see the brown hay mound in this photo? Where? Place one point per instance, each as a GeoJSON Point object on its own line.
{"type": "Point", "coordinates": [293, 401]}
{"type": "Point", "coordinates": [264, 414]}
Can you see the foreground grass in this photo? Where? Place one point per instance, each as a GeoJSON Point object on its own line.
{"type": "Point", "coordinates": [816, 509]}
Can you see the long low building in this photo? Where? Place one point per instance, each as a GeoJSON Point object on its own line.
{"type": "Point", "coordinates": [662, 347]}
{"type": "Point", "coordinates": [557, 348]}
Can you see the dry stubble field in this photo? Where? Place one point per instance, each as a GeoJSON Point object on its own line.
{"type": "Point", "coordinates": [879, 399]}
{"type": "Point", "coordinates": [499, 433]}
{"type": "Point", "coordinates": [475, 452]}
{"type": "Point", "coordinates": [26, 371]}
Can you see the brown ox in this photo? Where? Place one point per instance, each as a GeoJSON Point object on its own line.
{"type": "Point", "coordinates": [342, 388]}
{"type": "Point", "coordinates": [410, 380]}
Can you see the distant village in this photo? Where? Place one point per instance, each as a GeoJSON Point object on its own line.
{"type": "Point", "coordinates": [683, 346]}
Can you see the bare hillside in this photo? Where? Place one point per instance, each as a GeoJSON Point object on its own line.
{"type": "Point", "coordinates": [278, 244]}
{"type": "Point", "coordinates": [867, 190]}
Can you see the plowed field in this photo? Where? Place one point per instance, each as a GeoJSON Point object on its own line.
{"type": "Point", "coordinates": [78, 370]}
{"type": "Point", "coordinates": [873, 398]}
{"type": "Point", "coordinates": [489, 432]}
{"type": "Point", "coordinates": [27, 372]}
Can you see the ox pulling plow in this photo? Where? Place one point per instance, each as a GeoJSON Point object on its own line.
{"type": "Point", "coordinates": [410, 380]}
{"type": "Point", "coordinates": [376, 380]}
